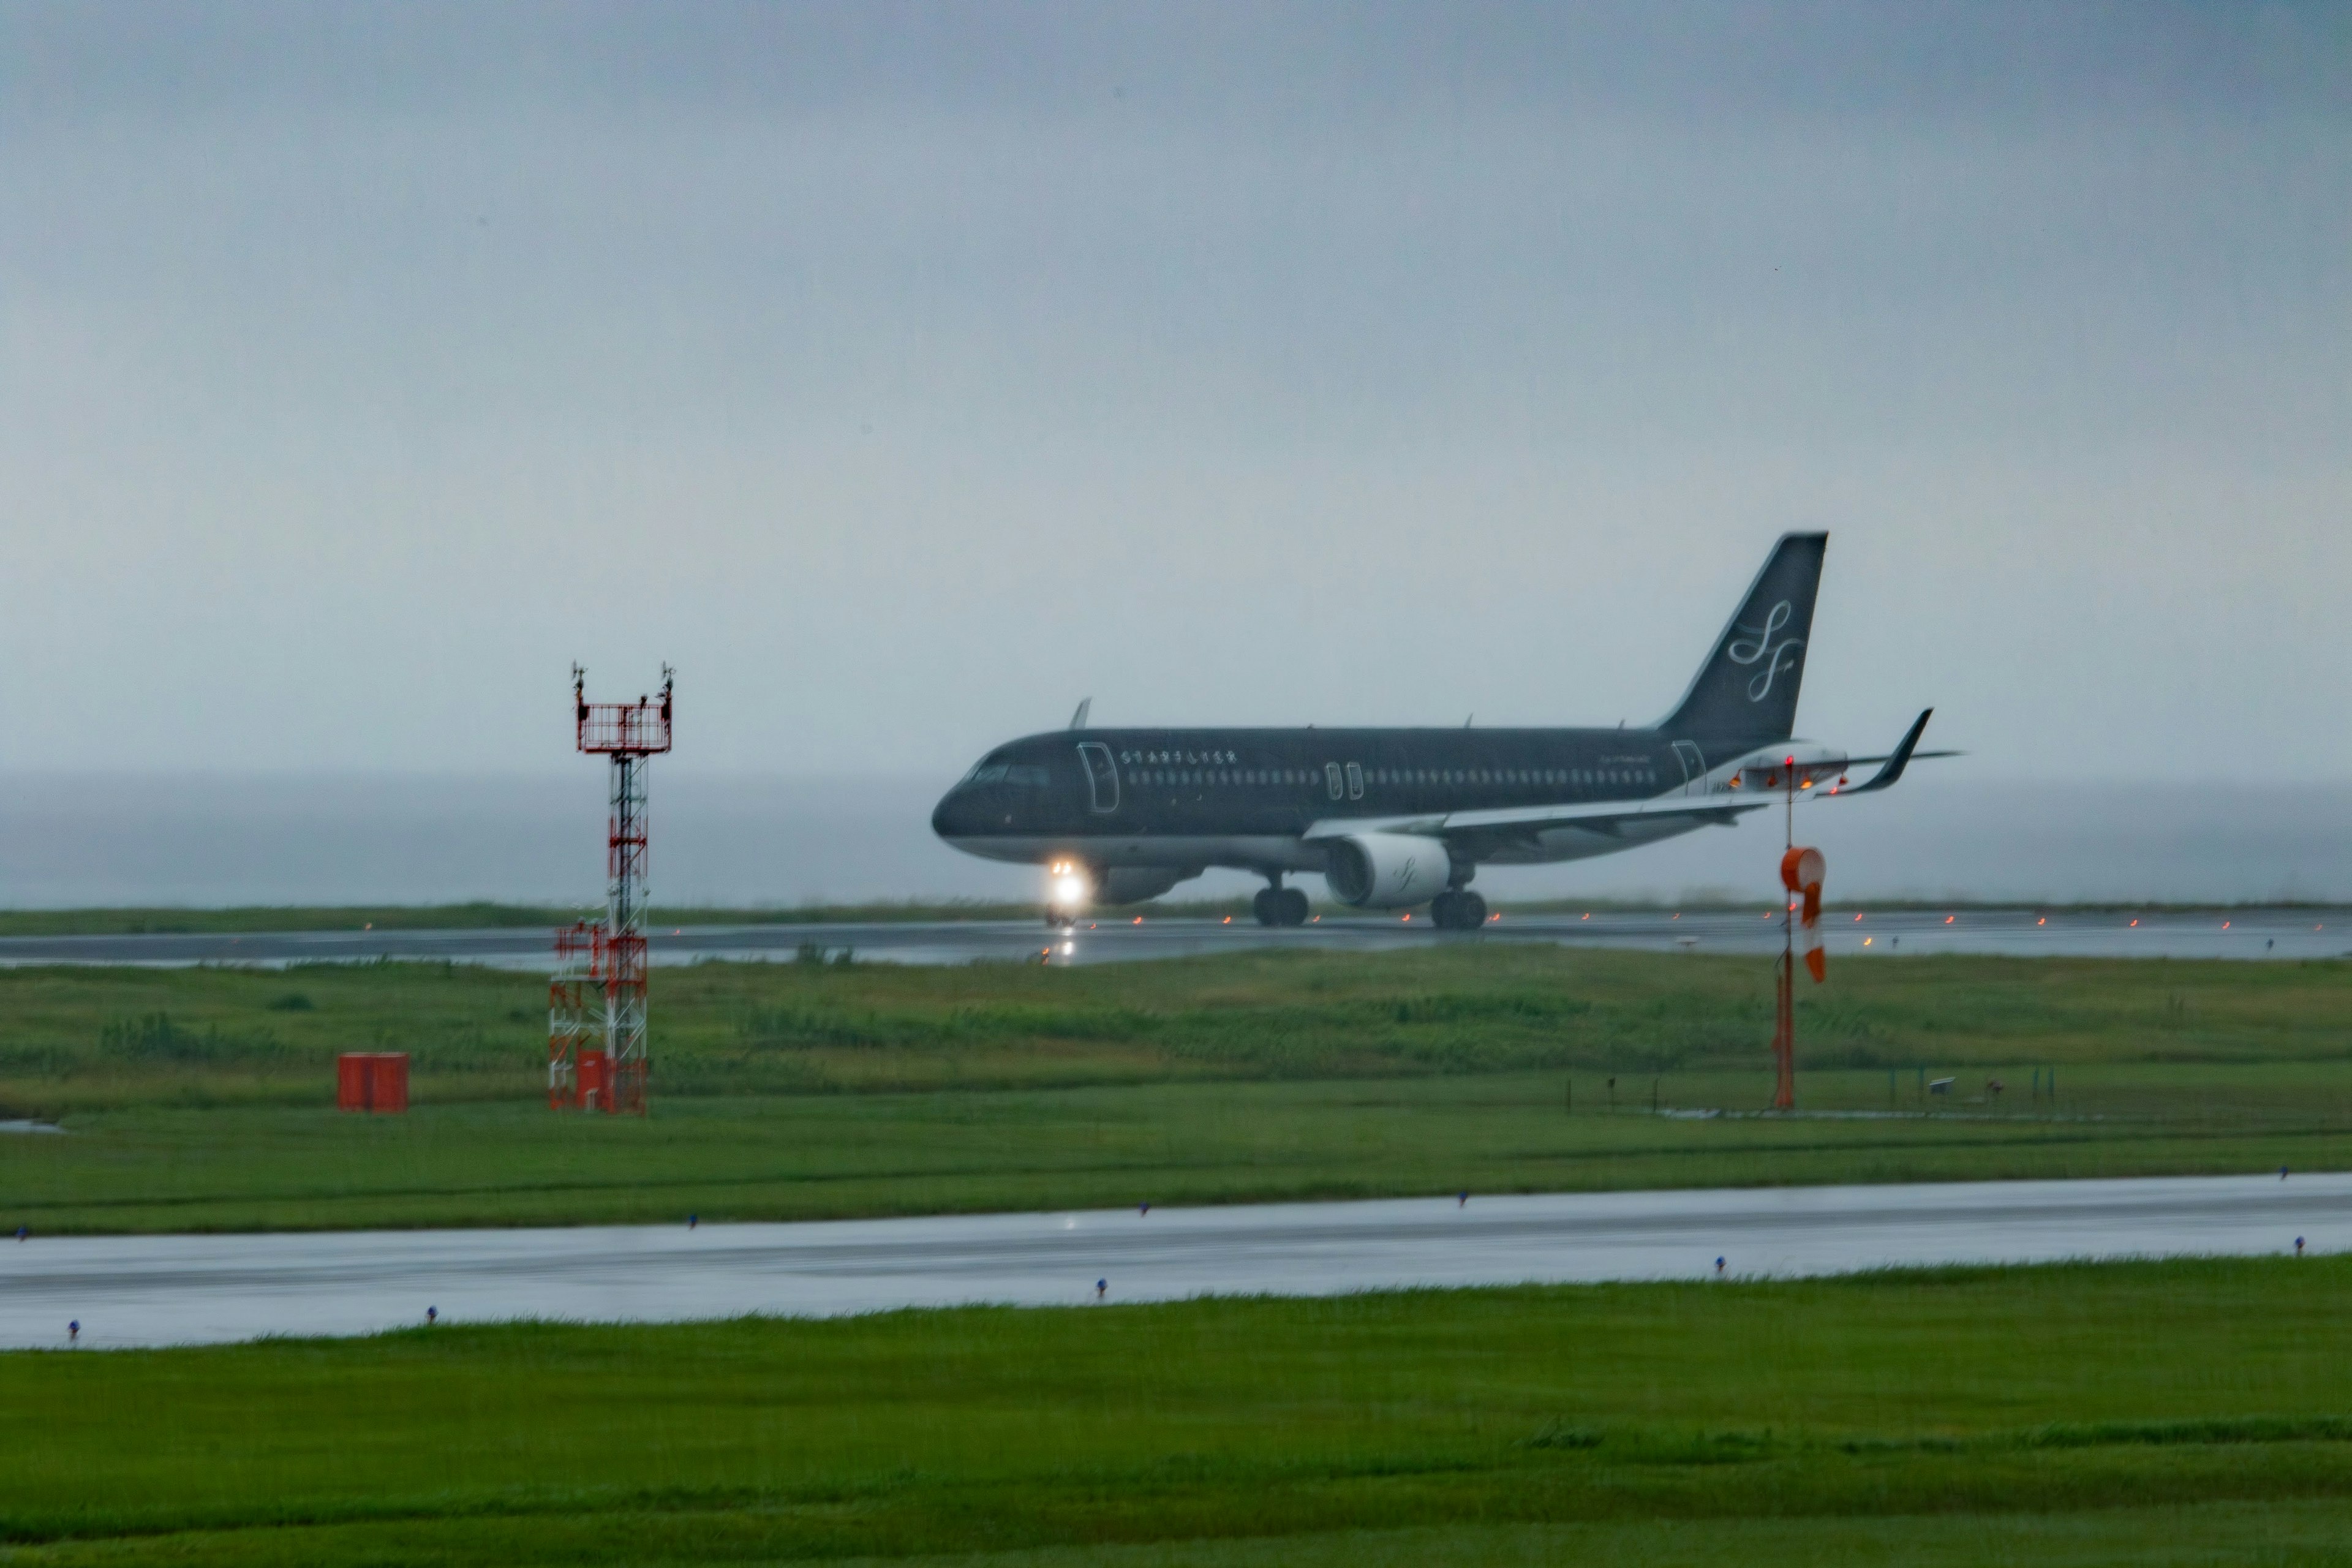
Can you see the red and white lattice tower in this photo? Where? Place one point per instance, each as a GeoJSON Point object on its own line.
{"type": "Point", "coordinates": [609, 1074]}
{"type": "Point", "coordinates": [570, 1028]}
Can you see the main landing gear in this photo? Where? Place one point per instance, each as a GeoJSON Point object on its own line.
{"type": "Point", "coordinates": [1279, 906]}
{"type": "Point", "coordinates": [1457, 908]}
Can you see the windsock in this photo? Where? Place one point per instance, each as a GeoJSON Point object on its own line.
{"type": "Point", "coordinates": [1800, 872]}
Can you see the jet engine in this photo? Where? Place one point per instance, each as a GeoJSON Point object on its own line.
{"type": "Point", "coordinates": [1133, 884]}
{"type": "Point", "coordinates": [1387, 870]}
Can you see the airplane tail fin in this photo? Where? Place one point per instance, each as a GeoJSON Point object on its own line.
{"type": "Point", "coordinates": [1745, 692]}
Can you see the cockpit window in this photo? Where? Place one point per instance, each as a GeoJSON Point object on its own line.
{"type": "Point", "coordinates": [1017, 775]}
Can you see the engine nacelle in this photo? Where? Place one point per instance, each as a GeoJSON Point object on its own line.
{"type": "Point", "coordinates": [1387, 870]}
{"type": "Point", "coordinates": [1133, 884]}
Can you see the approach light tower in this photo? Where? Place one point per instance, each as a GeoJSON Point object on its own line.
{"type": "Point", "coordinates": [611, 1078]}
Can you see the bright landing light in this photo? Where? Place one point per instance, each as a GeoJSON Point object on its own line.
{"type": "Point", "coordinates": [1067, 887]}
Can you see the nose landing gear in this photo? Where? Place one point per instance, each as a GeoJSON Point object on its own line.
{"type": "Point", "coordinates": [1068, 886]}
{"type": "Point", "coordinates": [1279, 906]}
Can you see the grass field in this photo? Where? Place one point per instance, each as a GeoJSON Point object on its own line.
{"type": "Point", "coordinates": [198, 1098]}
{"type": "Point", "coordinates": [2174, 1413]}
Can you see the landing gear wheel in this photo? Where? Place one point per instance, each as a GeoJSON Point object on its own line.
{"type": "Point", "coordinates": [1454, 910]}
{"type": "Point", "coordinates": [1267, 906]}
{"type": "Point", "coordinates": [1290, 906]}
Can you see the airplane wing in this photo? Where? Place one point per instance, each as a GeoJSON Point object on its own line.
{"type": "Point", "coordinates": [1479, 834]}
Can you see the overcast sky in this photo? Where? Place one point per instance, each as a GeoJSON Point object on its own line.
{"type": "Point", "coordinates": [905, 373]}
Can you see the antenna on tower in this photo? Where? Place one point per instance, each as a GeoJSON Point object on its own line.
{"type": "Point", "coordinates": [609, 955]}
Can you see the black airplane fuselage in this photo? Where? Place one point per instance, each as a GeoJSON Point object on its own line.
{"type": "Point", "coordinates": [1077, 784]}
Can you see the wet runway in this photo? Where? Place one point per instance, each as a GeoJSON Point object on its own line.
{"type": "Point", "coordinates": [2242, 933]}
{"type": "Point", "coordinates": [147, 1290]}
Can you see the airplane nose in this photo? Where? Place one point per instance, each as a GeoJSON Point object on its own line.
{"type": "Point", "coordinates": [947, 818]}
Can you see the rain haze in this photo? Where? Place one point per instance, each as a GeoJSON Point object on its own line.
{"type": "Point", "coordinates": [903, 374]}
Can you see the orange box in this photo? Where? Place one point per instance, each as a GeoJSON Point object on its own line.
{"type": "Point", "coordinates": [388, 1083]}
{"type": "Point", "coordinates": [372, 1080]}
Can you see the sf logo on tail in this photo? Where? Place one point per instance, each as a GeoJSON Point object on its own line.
{"type": "Point", "coordinates": [1758, 647]}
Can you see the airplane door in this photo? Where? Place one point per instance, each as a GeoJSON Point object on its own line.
{"type": "Point", "coordinates": [1694, 767]}
{"type": "Point", "coordinates": [1102, 776]}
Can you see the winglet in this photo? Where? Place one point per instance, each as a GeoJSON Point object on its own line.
{"type": "Point", "coordinates": [1898, 760]}
{"type": "Point", "coordinates": [1079, 719]}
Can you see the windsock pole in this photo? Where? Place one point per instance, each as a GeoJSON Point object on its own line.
{"type": "Point", "coordinates": [1784, 1042]}
{"type": "Point", "coordinates": [1801, 873]}
{"type": "Point", "coordinates": [1784, 1016]}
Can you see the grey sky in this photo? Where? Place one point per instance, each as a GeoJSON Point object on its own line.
{"type": "Point", "coordinates": [904, 373]}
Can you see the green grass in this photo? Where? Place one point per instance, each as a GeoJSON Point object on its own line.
{"type": "Point", "coordinates": [2186, 1412]}
{"type": "Point", "coordinates": [95, 1037]}
{"type": "Point", "coordinates": [200, 1099]}
{"type": "Point", "coordinates": [836, 1156]}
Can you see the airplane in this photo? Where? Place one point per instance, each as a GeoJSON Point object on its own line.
{"type": "Point", "coordinates": [1397, 818]}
